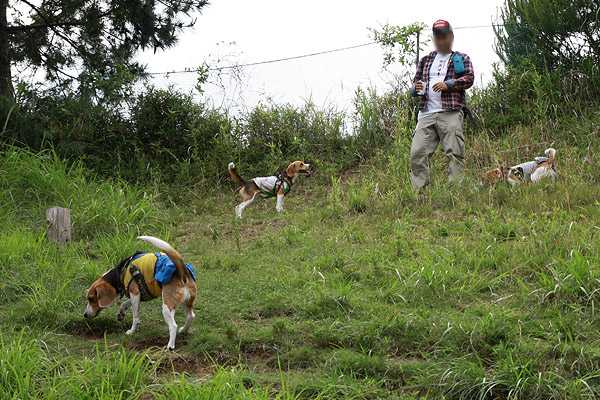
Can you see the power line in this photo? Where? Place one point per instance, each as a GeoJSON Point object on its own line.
{"type": "Point", "coordinates": [480, 26]}
{"type": "Point", "coordinates": [187, 71]}
{"type": "Point", "coordinates": [269, 61]}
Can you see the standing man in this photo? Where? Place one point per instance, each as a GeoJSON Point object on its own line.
{"type": "Point", "coordinates": [441, 79]}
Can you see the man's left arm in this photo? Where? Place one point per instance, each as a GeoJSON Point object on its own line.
{"type": "Point", "coordinates": [466, 80]}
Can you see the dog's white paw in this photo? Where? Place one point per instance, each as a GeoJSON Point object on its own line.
{"type": "Point", "coordinates": [130, 332]}
{"type": "Point", "coordinates": [279, 209]}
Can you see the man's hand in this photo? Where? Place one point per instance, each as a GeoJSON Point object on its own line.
{"type": "Point", "coordinates": [440, 87]}
{"type": "Point", "coordinates": [419, 86]}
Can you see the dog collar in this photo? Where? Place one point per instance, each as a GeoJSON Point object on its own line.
{"type": "Point", "coordinates": [121, 284]}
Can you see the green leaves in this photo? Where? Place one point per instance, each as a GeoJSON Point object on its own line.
{"type": "Point", "coordinates": [401, 43]}
{"type": "Point", "coordinates": [79, 43]}
{"type": "Point", "coordinates": [551, 33]}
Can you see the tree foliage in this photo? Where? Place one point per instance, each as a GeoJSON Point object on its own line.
{"type": "Point", "coordinates": [84, 42]}
{"type": "Point", "coordinates": [401, 44]}
{"type": "Point", "coordinates": [551, 33]}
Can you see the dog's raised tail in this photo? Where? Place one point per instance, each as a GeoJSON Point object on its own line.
{"type": "Point", "coordinates": [235, 175]}
{"type": "Point", "coordinates": [551, 153]}
{"type": "Point", "coordinates": [171, 252]}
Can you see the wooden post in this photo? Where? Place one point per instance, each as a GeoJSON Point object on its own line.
{"type": "Point", "coordinates": [58, 225]}
{"type": "Point", "coordinates": [418, 37]}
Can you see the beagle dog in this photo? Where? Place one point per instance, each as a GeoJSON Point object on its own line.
{"type": "Point", "coordinates": [138, 278]}
{"type": "Point", "coordinates": [534, 171]}
{"type": "Point", "coordinates": [276, 185]}
{"type": "Point", "coordinates": [494, 176]}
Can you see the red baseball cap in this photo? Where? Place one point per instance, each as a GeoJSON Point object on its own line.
{"type": "Point", "coordinates": [442, 26]}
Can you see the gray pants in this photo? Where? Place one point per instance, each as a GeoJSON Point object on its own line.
{"type": "Point", "coordinates": [444, 127]}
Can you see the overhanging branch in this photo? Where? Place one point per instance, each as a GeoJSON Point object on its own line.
{"type": "Point", "coordinates": [48, 21]}
{"type": "Point", "coordinates": [38, 25]}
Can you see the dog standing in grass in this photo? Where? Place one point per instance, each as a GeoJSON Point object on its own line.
{"type": "Point", "coordinates": [145, 276]}
{"type": "Point", "coordinates": [276, 185]}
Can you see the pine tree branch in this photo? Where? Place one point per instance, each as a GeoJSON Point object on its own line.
{"type": "Point", "coordinates": [37, 25]}
{"type": "Point", "coordinates": [48, 23]}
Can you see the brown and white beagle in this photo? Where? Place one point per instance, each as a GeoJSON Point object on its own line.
{"type": "Point", "coordinates": [532, 171]}
{"type": "Point", "coordinates": [494, 176]}
{"type": "Point", "coordinates": [541, 168]}
{"type": "Point", "coordinates": [120, 281]}
{"type": "Point", "coordinates": [276, 185]}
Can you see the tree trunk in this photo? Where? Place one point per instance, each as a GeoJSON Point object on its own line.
{"type": "Point", "coordinates": [5, 76]}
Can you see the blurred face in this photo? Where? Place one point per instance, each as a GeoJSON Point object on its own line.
{"type": "Point", "coordinates": [443, 42]}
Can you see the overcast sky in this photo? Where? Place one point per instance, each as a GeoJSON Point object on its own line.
{"type": "Point", "coordinates": [265, 30]}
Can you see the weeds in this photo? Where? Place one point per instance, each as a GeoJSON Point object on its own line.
{"type": "Point", "coordinates": [362, 289]}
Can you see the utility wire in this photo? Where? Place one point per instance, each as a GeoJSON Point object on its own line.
{"type": "Point", "coordinates": [267, 62]}
{"type": "Point", "coordinates": [187, 71]}
{"type": "Point", "coordinates": [481, 26]}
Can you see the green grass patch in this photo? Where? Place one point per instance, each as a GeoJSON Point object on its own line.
{"type": "Point", "coordinates": [360, 289]}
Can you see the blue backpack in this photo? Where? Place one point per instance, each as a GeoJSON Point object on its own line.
{"type": "Point", "coordinates": [459, 66]}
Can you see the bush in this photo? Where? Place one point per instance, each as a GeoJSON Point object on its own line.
{"type": "Point", "coordinates": [169, 128]}
{"type": "Point", "coordinates": [163, 136]}
{"type": "Point", "coordinates": [378, 117]}
{"type": "Point", "coordinates": [271, 136]}
{"type": "Point", "coordinates": [524, 95]}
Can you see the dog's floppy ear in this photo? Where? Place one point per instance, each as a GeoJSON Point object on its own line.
{"type": "Point", "coordinates": [106, 294]}
{"type": "Point", "coordinates": [291, 169]}
{"type": "Point", "coordinates": [520, 169]}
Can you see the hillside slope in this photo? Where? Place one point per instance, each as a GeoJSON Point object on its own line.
{"type": "Point", "coordinates": [359, 290]}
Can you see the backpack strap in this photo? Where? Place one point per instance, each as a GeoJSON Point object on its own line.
{"type": "Point", "coordinates": [138, 277]}
{"type": "Point", "coordinates": [278, 184]}
{"type": "Point", "coordinates": [121, 268]}
{"type": "Point", "coordinates": [470, 115]}
{"type": "Point", "coordinates": [283, 181]}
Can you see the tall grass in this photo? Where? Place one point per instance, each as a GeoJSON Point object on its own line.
{"type": "Point", "coordinates": [33, 182]}
{"type": "Point", "coordinates": [107, 216]}
{"type": "Point", "coordinates": [29, 372]}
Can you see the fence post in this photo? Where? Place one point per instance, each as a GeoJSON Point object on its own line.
{"type": "Point", "coordinates": [418, 37]}
{"type": "Point", "coordinates": [58, 225]}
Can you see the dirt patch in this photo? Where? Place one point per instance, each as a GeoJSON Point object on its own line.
{"type": "Point", "coordinates": [153, 343]}
{"type": "Point", "coordinates": [259, 356]}
{"type": "Point", "coordinates": [92, 329]}
{"type": "Point", "coordinates": [197, 365]}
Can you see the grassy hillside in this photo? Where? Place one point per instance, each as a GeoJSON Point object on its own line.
{"type": "Point", "coordinates": [359, 290]}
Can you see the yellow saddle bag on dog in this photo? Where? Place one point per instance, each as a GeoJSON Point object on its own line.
{"type": "Point", "coordinates": [144, 265]}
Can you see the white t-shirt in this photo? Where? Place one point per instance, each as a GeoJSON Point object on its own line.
{"type": "Point", "coordinates": [437, 73]}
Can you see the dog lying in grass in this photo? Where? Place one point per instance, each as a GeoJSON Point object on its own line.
{"type": "Point", "coordinates": [541, 168]}
{"type": "Point", "coordinates": [143, 277]}
{"type": "Point", "coordinates": [494, 176]}
{"type": "Point", "coordinates": [276, 185]}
